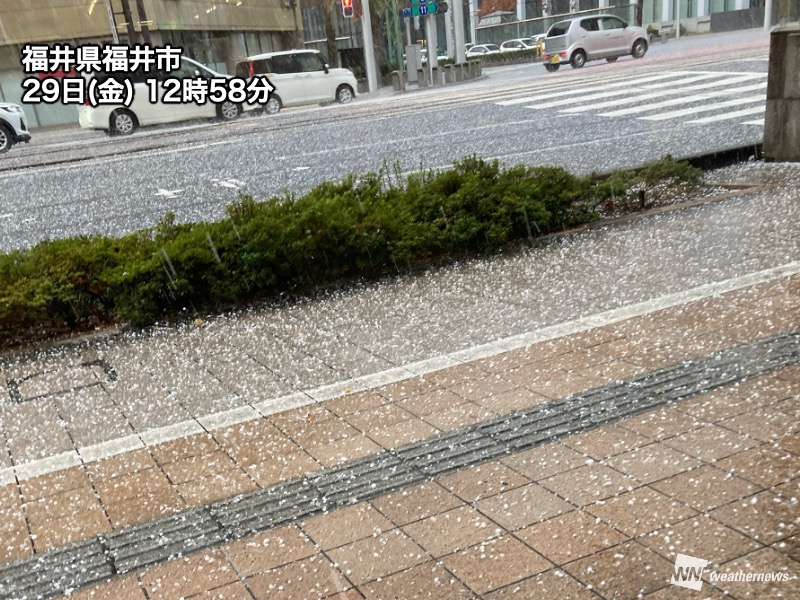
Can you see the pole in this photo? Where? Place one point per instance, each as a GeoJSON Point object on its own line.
{"type": "Point", "coordinates": [458, 26]}
{"type": "Point", "coordinates": [143, 23]}
{"type": "Point", "coordinates": [473, 9]}
{"type": "Point", "coordinates": [430, 34]}
{"type": "Point", "coordinates": [677, 19]}
{"type": "Point", "coordinates": [369, 50]}
{"type": "Point", "coordinates": [767, 15]}
{"type": "Point", "coordinates": [112, 22]}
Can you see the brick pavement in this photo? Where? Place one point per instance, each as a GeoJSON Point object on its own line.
{"type": "Point", "coordinates": [598, 514]}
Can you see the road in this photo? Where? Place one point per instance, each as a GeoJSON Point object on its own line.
{"type": "Point", "coordinates": [694, 95]}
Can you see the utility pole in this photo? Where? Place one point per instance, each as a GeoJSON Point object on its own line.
{"type": "Point", "coordinates": [369, 50]}
{"type": "Point", "coordinates": [143, 23]}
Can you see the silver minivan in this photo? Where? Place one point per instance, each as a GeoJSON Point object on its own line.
{"type": "Point", "coordinates": [592, 38]}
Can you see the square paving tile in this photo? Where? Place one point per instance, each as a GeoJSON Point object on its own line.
{"type": "Point", "coordinates": [216, 487]}
{"type": "Point", "coordinates": [763, 561]}
{"type": "Point", "coordinates": [345, 525]}
{"type": "Point", "coordinates": [766, 517]}
{"type": "Point", "coordinates": [118, 489]}
{"type": "Point", "coordinates": [495, 564]}
{"type": "Point", "coordinates": [512, 400]}
{"type": "Point", "coordinates": [640, 511]}
{"type": "Point", "coordinates": [193, 445]}
{"type": "Point", "coordinates": [51, 484]}
{"type": "Point", "coordinates": [481, 387]}
{"type": "Point", "coordinates": [283, 467]}
{"type": "Point", "coordinates": [700, 536]}
{"type": "Point", "coordinates": [183, 577]}
{"type": "Point", "coordinates": [589, 483]}
{"type": "Point", "coordinates": [307, 579]}
{"type": "Point", "coordinates": [144, 507]}
{"type": "Point", "coordinates": [570, 536]}
{"type": "Point", "coordinates": [427, 580]}
{"type": "Point", "coordinates": [229, 591]}
{"type": "Point", "coordinates": [199, 466]}
{"type": "Point", "coordinates": [121, 464]}
{"type": "Point", "coordinates": [380, 416]}
{"type": "Point", "coordinates": [764, 465]}
{"type": "Point", "coordinates": [254, 442]}
{"type": "Point", "coordinates": [373, 557]}
{"type": "Point", "coordinates": [545, 461]}
{"type": "Point", "coordinates": [653, 462]}
{"type": "Point", "coordinates": [122, 587]}
{"type": "Point", "coordinates": [16, 540]}
{"type": "Point", "coordinates": [765, 424]}
{"type": "Point", "coordinates": [660, 423]}
{"type": "Point", "coordinates": [344, 450]}
{"type": "Point", "coordinates": [605, 441]}
{"type": "Point", "coordinates": [355, 403]}
{"type": "Point", "coordinates": [523, 506]}
{"type": "Point", "coordinates": [269, 550]}
{"type": "Point", "coordinates": [458, 416]}
{"type": "Point", "coordinates": [400, 434]}
{"type": "Point", "coordinates": [705, 488]}
{"type": "Point", "coordinates": [430, 402]}
{"type": "Point", "coordinates": [554, 583]}
{"type": "Point", "coordinates": [623, 572]}
{"type": "Point", "coordinates": [417, 502]}
{"type": "Point", "coordinates": [482, 481]}
{"type": "Point", "coordinates": [65, 529]}
{"type": "Point", "coordinates": [452, 530]}
{"type": "Point", "coordinates": [711, 442]}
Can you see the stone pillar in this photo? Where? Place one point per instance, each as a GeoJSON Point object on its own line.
{"type": "Point", "coordinates": [782, 118]}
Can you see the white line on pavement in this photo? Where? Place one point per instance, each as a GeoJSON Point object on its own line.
{"type": "Point", "coordinates": [423, 367]}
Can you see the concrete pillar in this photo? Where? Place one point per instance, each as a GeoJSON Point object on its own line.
{"type": "Point", "coordinates": [782, 118]}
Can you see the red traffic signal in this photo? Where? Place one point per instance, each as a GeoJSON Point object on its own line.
{"type": "Point", "coordinates": [347, 8]}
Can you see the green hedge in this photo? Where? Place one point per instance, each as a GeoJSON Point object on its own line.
{"type": "Point", "coordinates": [363, 226]}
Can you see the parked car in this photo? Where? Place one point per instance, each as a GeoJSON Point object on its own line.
{"type": "Point", "coordinates": [118, 119]}
{"type": "Point", "coordinates": [516, 45]}
{"type": "Point", "coordinates": [13, 126]}
{"type": "Point", "coordinates": [593, 37]}
{"type": "Point", "coordinates": [483, 50]}
{"type": "Point", "coordinates": [300, 77]}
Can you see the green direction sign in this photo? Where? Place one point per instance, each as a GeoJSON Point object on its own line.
{"type": "Point", "coordinates": [420, 10]}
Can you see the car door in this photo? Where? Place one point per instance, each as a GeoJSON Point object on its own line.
{"type": "Point", "coordinates": [319, 86]}
{"type": "Point", "coordinates": [590, 38]}
{"type": "Point", "coordinates": [614, 35]}
{"type": "Point", "coordinates": [288, 79]}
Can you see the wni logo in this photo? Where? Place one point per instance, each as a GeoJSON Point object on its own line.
{"type": "Point", "coordinates": [688, 572]}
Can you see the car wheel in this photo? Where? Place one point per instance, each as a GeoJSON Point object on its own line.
{"type": "Point", "coordinates": [639, 48]}
{"type": "Point", "coordinates": [344, 94]}
{"type": "Point", "coordinates": [612, 59]}
{"type": "Point", "coordinates": [551, 67]}
{"type": "Point", "coordinates": [228, 110]}
{"type": "Point", "coordinates": [122, 122]}
{"type": "Point", "coordinates": [5, 139]}
{"type": "Point", "coordinates": [578, 59]}
{"type": "Point", "coordinates": [273, 105]}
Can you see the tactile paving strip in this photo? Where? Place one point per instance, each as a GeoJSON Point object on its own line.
{"type": "Point", "coordinates": [75, 566]}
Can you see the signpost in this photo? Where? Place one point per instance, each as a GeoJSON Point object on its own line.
{"type": "Point", "coordinates": [421, 10]}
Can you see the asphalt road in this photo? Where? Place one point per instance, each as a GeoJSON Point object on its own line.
{"type": "Point", "coordinates": [83, 182]}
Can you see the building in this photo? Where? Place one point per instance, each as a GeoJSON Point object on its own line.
{"type": "Point", "coordinates": [214, 32]}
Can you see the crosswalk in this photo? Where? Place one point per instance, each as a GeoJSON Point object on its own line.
{"type": "Point", "coordinates": [696, 97]}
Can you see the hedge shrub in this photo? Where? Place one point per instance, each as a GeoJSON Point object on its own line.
{"type": "Point", "coordinates": [363, 226]}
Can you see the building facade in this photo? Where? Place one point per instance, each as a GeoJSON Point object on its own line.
{"type": "Point", "coordinates": [214, 32]}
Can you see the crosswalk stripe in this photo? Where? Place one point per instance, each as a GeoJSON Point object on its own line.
{"type": "Point", "coordinates": [759, 122]}
{"type": "Point", "coordinates": [707, 108]}
{"type": "Point", "coordinates": [617, 102]}
{"type": "Point", "coordinates": [732, 115]}
{"type": "Point", "coordinates": [713, 84]}
{"type": "Point", "coordinates": [597, 88]}
{"type": "Point", "coordinates": [684, 100]}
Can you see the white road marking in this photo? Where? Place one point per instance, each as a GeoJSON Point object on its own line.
{"type": "Point", "coordinates": [733, 115]}
{"type": "Point", "coordinates": [707, 108]}
{"type": "Point", "coordinates": [307, 397]}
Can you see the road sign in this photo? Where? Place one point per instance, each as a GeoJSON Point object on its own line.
{"type": "Point", "coordinates": [420, 10]}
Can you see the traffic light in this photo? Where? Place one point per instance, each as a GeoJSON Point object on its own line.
{"type": "Point", "coordinates": [347, 8]}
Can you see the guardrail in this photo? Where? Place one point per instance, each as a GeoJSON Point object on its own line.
{"type": "Point", "coordinates": [497, 34]}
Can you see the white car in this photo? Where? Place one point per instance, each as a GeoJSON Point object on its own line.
{"type": "Point", "coordinates": [118, 119]}
{"type": "Point", "coordinates": [13, 126]}
{"type": "Point", "coordinates": [516, 45]}
{"type": "Point", "coordinates": [300, 77]}
{"type": "Point", "coordinates": [483, 50]}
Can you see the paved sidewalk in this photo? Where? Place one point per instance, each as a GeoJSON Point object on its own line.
{"type": "Point", "coordinates": [557, 423]}
{"type": "Point", "coordinates": [596, 514]}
